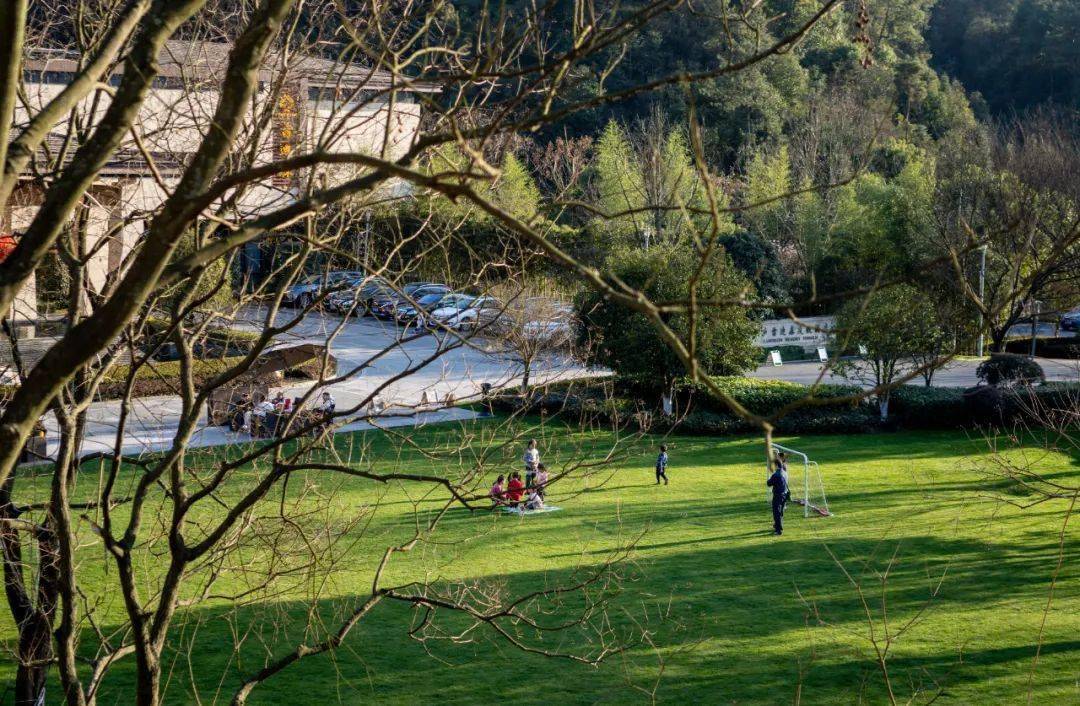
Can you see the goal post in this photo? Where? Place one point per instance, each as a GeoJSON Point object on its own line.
{"type": "Point", "coordinates": [808, 491]}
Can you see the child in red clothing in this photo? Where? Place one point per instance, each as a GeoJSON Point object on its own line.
{"type": "Point", "coordinates": [514, 489]}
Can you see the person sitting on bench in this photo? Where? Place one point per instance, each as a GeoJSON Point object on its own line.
{"type": "Point", "coordinates": [327, 405]}
{"type": "Point", "coordinates": [238, 411]}
{"type": "Point", "coordinates": [254, 420]}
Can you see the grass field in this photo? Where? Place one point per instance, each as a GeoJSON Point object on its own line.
{"type": "Point", "coordinates": [738, 616]}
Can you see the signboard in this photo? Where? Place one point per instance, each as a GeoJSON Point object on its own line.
{"type": "Point", "coordinates": [823, 355]}
{"type": "Point", "coordinates": [775, 357]}
{"type": "Point", "coordinates": [810, 332]}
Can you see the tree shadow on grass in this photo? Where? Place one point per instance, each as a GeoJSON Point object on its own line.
{"type": "Point", "coordinates": [740, 597]}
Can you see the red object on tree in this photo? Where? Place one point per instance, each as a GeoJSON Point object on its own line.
{"type": "Point", "coordinates": [7, 244]}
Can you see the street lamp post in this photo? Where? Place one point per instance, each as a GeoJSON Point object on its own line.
{"type": "Point", "coordinates": [1036, 308]}
{"type": "Point", "coordinates": [982, 292]}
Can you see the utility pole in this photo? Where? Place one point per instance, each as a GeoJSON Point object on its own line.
{"type": "Point", "coordinates": [982, 293]}
{"type": "Point", "coordinates": [1036, 308]}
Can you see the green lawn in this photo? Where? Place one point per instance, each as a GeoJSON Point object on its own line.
{"type": "Point", "coordinates": [737, 615]}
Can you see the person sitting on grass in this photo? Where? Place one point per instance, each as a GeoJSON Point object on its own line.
{"type": "Point", "coordinates": [533, 499]}
{"type": "Point", "coordinates": [541, 480]}
{"type": "Point", "coordinates": [497, 493]}
{"type": "Point", "coordinates": [514, 489]}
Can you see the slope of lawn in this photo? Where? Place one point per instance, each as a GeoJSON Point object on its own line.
{"type": "Point", "coordinates": [957, 579]}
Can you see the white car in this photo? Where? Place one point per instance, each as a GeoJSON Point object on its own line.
{"type": "Point", "coordinates": [549, 322]}
{"type": "Point", "coordinates": [481, 312]}
{"type": "Point", "coordinates": [448, 309]}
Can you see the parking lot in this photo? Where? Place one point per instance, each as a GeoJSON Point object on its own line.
{"type": "Point", "coordinates": [435, 364]}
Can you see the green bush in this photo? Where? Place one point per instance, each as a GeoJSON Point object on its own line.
{"type": "Point", "coordinates": [1010, 369]}
{"type": "Point", "coordinates": [157, 378]}
{"type": "Point", "coordinates": [928, 407]}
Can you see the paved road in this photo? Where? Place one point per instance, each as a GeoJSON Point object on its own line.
{"type": "Point", "coordinates": [959, 373]}
{"type": "Point", "coordinates": [373, 354]}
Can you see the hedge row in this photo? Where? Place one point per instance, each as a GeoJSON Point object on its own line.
{"type": "Point", "coordinates": [157, 378]}
{"type": "Point", "coordinates": [1061, 347]}
{"type": "Point", "coordinates": [759, 396]}
{"type": "Point", "coordinates": [911, 407]}
{"type": "Point", "coordinates": [154, 378]}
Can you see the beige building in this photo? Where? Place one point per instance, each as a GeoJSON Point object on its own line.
{"type": "Point", "coordinates": [327, 104]}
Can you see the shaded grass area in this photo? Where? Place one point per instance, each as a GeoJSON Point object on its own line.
{"type": "Point", "coordinates": [737, 615]}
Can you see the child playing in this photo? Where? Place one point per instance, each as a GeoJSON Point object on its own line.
{"type": "Point", "coordinates": [534, 501]}
{"type": "Point", "coordinates": [541, 480]}
{"type": "Point", "coordinates": [496, 493]}
{"type": "Point", "coordinates": [531, 460]}
{"type": "Point", "coordinates": [661, 465]}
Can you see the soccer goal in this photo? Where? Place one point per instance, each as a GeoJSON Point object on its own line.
{"type": "Point", "coordinates": [809, 490]}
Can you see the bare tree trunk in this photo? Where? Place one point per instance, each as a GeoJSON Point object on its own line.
{"type": "Point", "coordinates": [32, 616]}
{"type": "Point", "coordinates": [525, 375]}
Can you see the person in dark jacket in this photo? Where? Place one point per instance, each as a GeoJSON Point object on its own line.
{"type": "Point", "coordinates": [778, 482]}
{"type": "Point", "coordinates": [661, 465]}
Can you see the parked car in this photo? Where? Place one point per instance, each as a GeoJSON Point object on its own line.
{"type": "Point", "coordinates": [1071, 320]}
{"type": "Point", "coordinates": [355, 299]}
{"type": "Point", "coordinates": [448, 308]}
{"type": "Point", "coordinates": [409, 313]}
{"type": "Point", "coordinates": [384, 306]}
{"type": "Point", "coordinates": [550, 322]}
{"type": "Point", "coordinates": [304, 292]}
{"type": "Point", "coordinates": [482, 312]}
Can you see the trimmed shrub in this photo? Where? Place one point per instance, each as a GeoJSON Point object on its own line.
{"type": "Point", "coordinates": [831, 420]}
{"type": "Point", "coordinates": [760, 396]}
{"type": "Point", "coordinates": [928, 407]}
{"type": "Point", "coordinates": [160, 378]}
{"type": "Point", "coordinates": [1006, 369]}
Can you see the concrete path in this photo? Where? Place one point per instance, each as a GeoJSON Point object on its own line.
{"type": "Point", "coordinates": [153, 423]}
{"type": "Point", "coordinates": [459, 372]}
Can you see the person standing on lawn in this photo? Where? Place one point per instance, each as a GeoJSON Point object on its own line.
{"type": "Point", "coordinates": [532, 460]}
{"type": "Point", "coordinates": [661, 465]}
{"type": "Point", "coordinates": [778, 482]}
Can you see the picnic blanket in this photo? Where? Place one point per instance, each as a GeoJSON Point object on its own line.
{"type": "Point", "coordinates": [522, 511]}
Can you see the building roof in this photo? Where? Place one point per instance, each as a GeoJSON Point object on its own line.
{"type": "Point", "coordinates": [198, 61]}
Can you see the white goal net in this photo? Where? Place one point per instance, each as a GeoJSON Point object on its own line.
{"type": "Point", "coordinates": [804, 482]}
